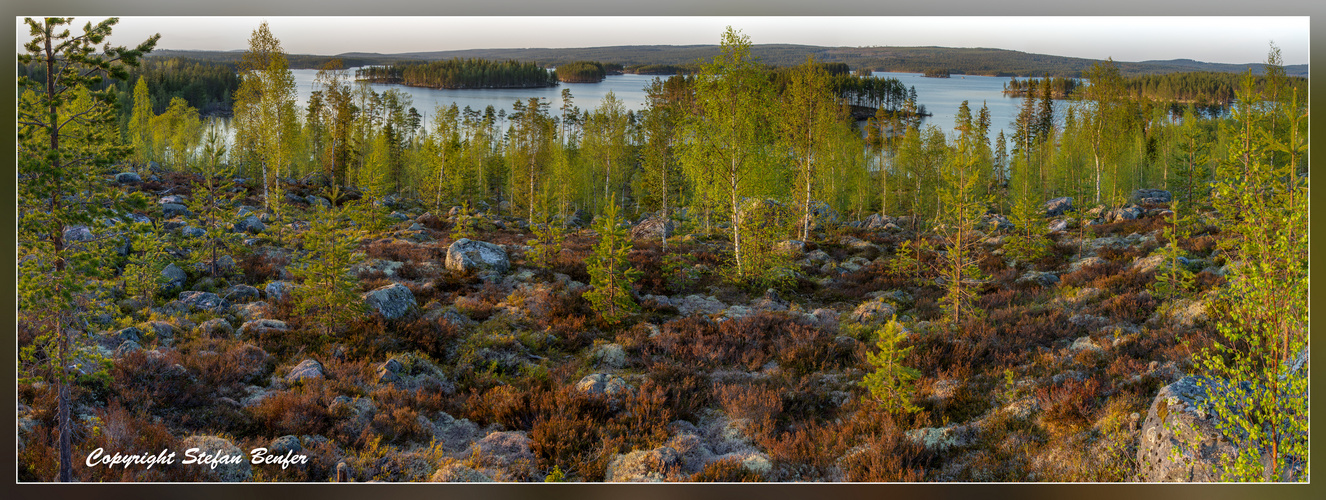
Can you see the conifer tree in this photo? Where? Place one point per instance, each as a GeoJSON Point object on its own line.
{"type": "Point", "coordinates": [890, 383]}
{"type": "Point", "coordinates": [213, 201]}
{"type": "Point", "coordinates": [610, 272]}
{"type": "Point", "coordinates": [961, 206]}
{"type": "Point", "coordinates": [66, 134]}
{"type": "Point", "coordinates": [327, 298]}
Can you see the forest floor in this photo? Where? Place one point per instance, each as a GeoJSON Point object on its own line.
{"type": "Point", "coordinates": [510, 376]}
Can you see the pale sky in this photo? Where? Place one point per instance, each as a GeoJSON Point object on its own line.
{"type": "Point", "coordinates": [1208, 39]}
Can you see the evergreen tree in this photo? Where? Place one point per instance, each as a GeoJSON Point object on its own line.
{"type": "Point", "coordinates": [610, 271]}
{"type": "Point", "coordinates": [327, 297]}
{"type": "Point", "coordinates": [890, 383]}
{"type": "Point", "coordinates": [66, 134]}
{"type": "Point", "coordinates": [213, 202]}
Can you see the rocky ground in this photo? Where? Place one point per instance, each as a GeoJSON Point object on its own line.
{"type": "Point", "coordinates": [474, 365]}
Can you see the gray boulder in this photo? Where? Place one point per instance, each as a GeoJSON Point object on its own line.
{"type": "Point", "coordinates": [251, 224]}
{"type": "Point", "coordinates": [262, 327]}
{"type": "Point", "coordinates": [655, 465]}
{"type": "Point", "coordinates": [1152, 196]}
{"type": "Point", "coordinates": [1058, 206]}
{"type": "Point", "coordinates": [1180, 442]}
{"type": "Point", "coordinates": [392, 301]}
{"type": "Point", "coordinates": [318, 201]}
{"type": "Point", "coordinates": [241, 294]}
{"type": "Point", "coordinates": [193, 232]}
{"type": "Point", "coordinates": [173, 276]}
{"type": "Point", "coordinates": [305, 370]}
{"type": "Point", "coordinates": [1122, 214]}
{"type": "Point", "coordinates": [284, 444]}
{"type": "Point", "coordinates": [78, 233]}
{"type": "Point", "coordinates": [692, 304]}
{"type": "Point", "coordinates": [198, 301]}
{"type": "Point", "coordinates": [216, 328]}
{"type": "Point", "coordinates": [456, 472]}
{"type": "Point", "coordinates": [878, 310]}
{"type": "Point", "coordinates": [279, 290]}
{"type": "Point", "coordinates": [128, 178]}
{"type": "Point", "coordinates": [1041, 278]}
{"type": "Point", "coordinates": [467, 255]}
{"type": "Point", "coordinates": [602, 384]}
{"type": "Point", "coordinates": [172, 210]}
{"type": "Point", "coordinates": [653, 228]}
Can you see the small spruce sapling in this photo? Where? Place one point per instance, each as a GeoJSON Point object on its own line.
{"type": "Point", "coordinates": [610, 271]}
{"type": "Point", "coordinates": [328, 295]}
{"type": "Point", "coordinates": [547, 242]}
{"type": "Point", "coordinates": [890, 383]}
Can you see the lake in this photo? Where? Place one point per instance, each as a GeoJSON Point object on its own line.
{"type": "Point", "coordinates": [940, 96]}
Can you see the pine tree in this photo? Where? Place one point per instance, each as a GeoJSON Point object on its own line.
{"type": "Point", "coordinates": [890, 383]}
{"type": "Point", "coordinates": [547, 242]}
{"type": "Point", "coordinates": [66, 134]}
{"type": "Point", "coordinates": [327, 298]}
{"type": "Point", "coordinates": [961, 207]}
{"type": "Point", "coordinates": [610, 271]}
{"type": "Point", "coordinates": [214, 200]}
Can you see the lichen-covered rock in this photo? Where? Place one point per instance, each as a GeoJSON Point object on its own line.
{"type": "Point", "coordinates": [654, 465]}
{"type": "Point", "coordinates": [1122, 214]}
{"type": "Point", "coordinates": [128, 178]}
{"type": "Point", "coordinates": [454, 434]}
{"type": "Point", "coordinates": [878, 310]}
{"type": "Point", "coordinates": [942, 438]}
{"type": "Point", "coordinates": [305, 370]}
{"type": "Point", "coordinates": [284, 444]}
{"type": "Point", "coordinates": [610, 356]}
{"type": "Point", "coordinates": [251, 224]}
{"type": "Point", "coordinates": [391, 302]}
{"type": "Point", "coordinates": [1152, 196]}
{"type": "Point", "coordinates": [78, 233]}
{"type": "Point", "coordinates": [1148, 264]}
{"type": "Point", "coordinates": [233, 463]}
{"type": "Point", "coordinates": [1187, 312]}
{"type": "Point", "coordinates": [456, 472]}
{"type": "Point", "coordinates": [278, 290]}
{"type": "Point", "coordinates": [203, 301]}
{"type": "Point", "coordinates": [1058, 206]}
{"type": "Point", "coordinates": [1040, 278]}
{"type": "Point", "coordinates": [469, 255]}
{"type": "Point", "coordinates": [692, 304]}
{"type": "Point", "coordinates": [1180, 442]}
{"type": "Point", "coordinates": [241, 294]}
{"type": "Point", "coordinates": [173, 276]}
{"type": "Point", "coordinates": [653, 228]}
{"type": "Point", "coordinates": [602, 384]}
{"type": "Point", "coordinates": [1086, 262]}
{"type": "Point", "coordinates": [173, 210]}
{"type": "Point", "coordinates": [262, 327]}
{"type": "Point", "coordinates": [505, 456]}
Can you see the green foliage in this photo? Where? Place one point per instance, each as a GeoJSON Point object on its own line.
{"type": "Point", "coordinates": [907, 260]}
{"type": "Point", "coordinates": [1173, 279]}
{"type": "Point", "coordinates": [142, 274]}
{"type": "Point", "coordinates": [461, 74]}
{"type": "Point", "coordinates": [327, 298]}
{"type": "Point", "coordinates": [763, 224]}
{"type": "Point", "coordinates": [213, 202]}
{"type": "Point", "coordinates": [679, 271]}
{"type": "Point", "coordinates": [1027, 243]}
{"type": "Point", "coordinates": [547, 242]}
{"type": "Point", "coordinates": [610, 271]}
{"type": "Point", "coordinates": [581, 72]}
{"type": "Point", "coordinates": [890, 383]}
{"type": "Point", "coordinates": [467, 224]}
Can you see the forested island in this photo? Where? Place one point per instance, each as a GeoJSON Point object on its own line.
{"type": "Point", "coordinates": [461, 74]}
{"type": "Point", "coordinates": [736, 283]}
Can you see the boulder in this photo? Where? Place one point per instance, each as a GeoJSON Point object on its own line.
{"type": "Point", "coordinates": [284, 444]}
{"type": "Point", "coordinates": [78, 233]}
{"type": "Point", "coordinates": [653, 228]}
{"type": "Point", "coordinates": [1086, 262]}
{"type": "Point", "coordinates": [610, 356]}
{"type": "Point", "coordinates": [1041, 278]}
{"type": "Point", "coordinates": [994, 222]}
{"type": "Point", "coordinates": [1058, 206]}
{"type": "Point", "coordinates": [654, 465]}
{"type": "Point", "coordinates": [174, 277]}
{"type": "Point", "coordinates": [241, 294]}
{"type": "Point", "coordinates": [193, 232]}
{"type": "Point", "coordinates": [278, 290]}
{"type": "Point", "coordinates": [262, 327]}
{"type": "Point", "coordinates": [1148, 264]}
{"type": "Point", "coordinates": [456, 472]}
{"type": "Point", "coordinates": [467, 255]}
{"type": "Point", "coordinates": [1059, 225]}
{"type": "Point", "coordinates": [128, 178]}
{"type": "Point", "coordinates": [198, 301]}
{"type": "Point", "coordinates": [1122, 214]}
{"type": "Point", "coordinates": [251, 224]}
{"type": "Point", "coordinates": [173, 210]}
{"type": "Point", "coordinates": [602, 384]}
{"type": "Point", "coordinates": [692, 304]}
{"type": "Point", "coordinates": [216, 328]}
{"type": "Point", "coordinates": [454, 434]}
{"type": "Point", "coordinates": [877, 310]}
{"type": "Point", "coordinates": [392, 301]}
{"type": "Point", "coordinates": [318, 201]}
{"type": "Point", "coordinates": [1151, 196]}
{"type": "Point", "coordinates": [232, 463]}
{"type": "Point", "coordinates": [1180, 442]}
{"type": "Point", "coordinates": [305, 370]}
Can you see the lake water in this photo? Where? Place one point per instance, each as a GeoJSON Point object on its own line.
{"type": "Point", "coordinates": [940, 96]}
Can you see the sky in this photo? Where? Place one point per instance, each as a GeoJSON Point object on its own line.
{"type": "Point", "coordinates": [1208, 39]}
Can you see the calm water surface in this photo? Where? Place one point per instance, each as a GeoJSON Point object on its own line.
{"type": "Point", "coordinates": [940, 96]}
